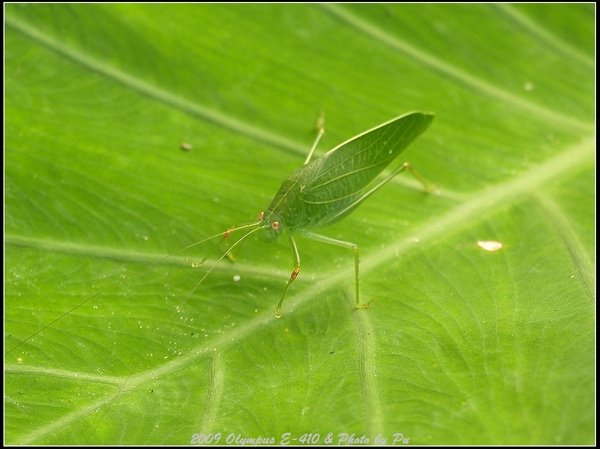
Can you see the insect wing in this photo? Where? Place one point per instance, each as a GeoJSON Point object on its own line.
{"type": "Point", "coordinates": [340, 176]}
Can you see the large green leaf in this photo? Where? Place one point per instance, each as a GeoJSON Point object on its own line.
{"type": "Point", "coordinates": [462, 346]}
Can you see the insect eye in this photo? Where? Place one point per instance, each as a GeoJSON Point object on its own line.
{"type": "Point", "coordinates": [275, 225]}
{"type": "Point", "coordinates": [261, 215]}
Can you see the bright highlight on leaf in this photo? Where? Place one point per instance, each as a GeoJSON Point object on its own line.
{"type": "Point", "coordinates": [489, 245]}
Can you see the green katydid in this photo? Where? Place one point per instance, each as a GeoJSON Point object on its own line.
{"type": "Point", "coordinates": [321, 192]}
{"type": "Point", "coordinates": [326, 189]}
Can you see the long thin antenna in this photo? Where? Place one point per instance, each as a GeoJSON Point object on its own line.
{"type": "Point", "coordinates": [220, 259]}
{"type": "Point", "coordinates": [95, 295]}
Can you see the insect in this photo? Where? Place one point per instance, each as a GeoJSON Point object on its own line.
{"type": "Point", "coordinates": [321, 192]}
{"type": "Point", "coordinates": [326, 189]}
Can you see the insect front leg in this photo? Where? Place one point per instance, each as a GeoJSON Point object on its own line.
{"type": "Point", "coordinates": [343, 244]}
{"type": "Point", "coordinates": [293, 276]}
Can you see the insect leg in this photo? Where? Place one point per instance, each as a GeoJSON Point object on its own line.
{"type": "Point", "coordinates": [225, 242]}
{"type": "Point", "coordinates": [405, 166]}
{"type": "Point", "coordinates": [343, 244]}
{"type": "Point", "coordinates": [320, 131]}
{"type": "Point", "coordinates": [293, 276]}
{"type": "Point", "coordinates": [240, 240]}
{"type": "Point", "coordinates": [426, 186]}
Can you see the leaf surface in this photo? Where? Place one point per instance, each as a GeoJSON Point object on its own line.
{"type": "Point", "coordinates": [462, 345]}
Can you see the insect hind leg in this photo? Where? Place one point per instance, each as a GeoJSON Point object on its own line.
{"type": "Point", "coordinates": [405, 166]}
{"type": "Point", "coordinates": [354, 248]}
{"type": "Point", "coordinates": [427, 187]}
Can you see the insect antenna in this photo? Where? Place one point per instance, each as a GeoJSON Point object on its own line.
{"type": "Point", "coordinates": [225, 254]}
{"type": "Point", "coordinates": [136, 272]}
{"type": "Point", "coordinates": [224, 236]}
